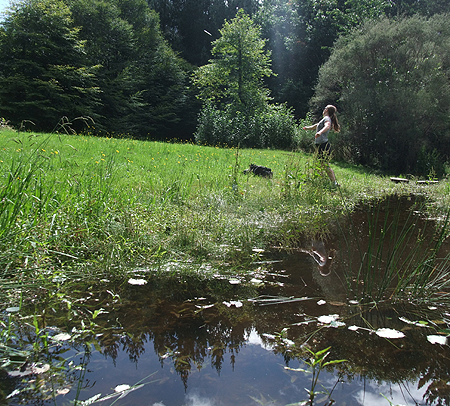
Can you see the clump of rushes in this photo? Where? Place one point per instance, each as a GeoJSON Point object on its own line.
{"type": "Point", "coordinates": [402, 258]}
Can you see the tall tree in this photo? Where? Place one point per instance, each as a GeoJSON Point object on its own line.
{"type": "Point", "coordinates": [236, 106]}
{"type": "Point", "coordinates": [240, 62]}
{"type": "Point", "coordinates": [42, 72]}
{"type": "Point", "coordinates": [143, 82]}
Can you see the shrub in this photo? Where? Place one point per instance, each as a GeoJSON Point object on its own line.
{"type": "Point", "coordinates": [390, 82]}
{"type": "Point", "coordinates": [274, 127]}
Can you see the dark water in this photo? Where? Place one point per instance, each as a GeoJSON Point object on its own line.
{"type": "Point", "coordinates": [195, 342]}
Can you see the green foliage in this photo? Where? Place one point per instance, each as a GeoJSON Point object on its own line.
{"type": "Point", "coordinates": [316, 363]}
{"type": "Point", "coordinates": [241, 62]}
{"type": "Point", "coordinates": [273, 127]}
{"type": "Point", "coordinates": [236, 109]}
{"type": "Point", "coordinates": [43, 72]}
{"type": "Point", "coordinates": [143, 83]}
{"type": "Point", "coordinates": [393, 99]}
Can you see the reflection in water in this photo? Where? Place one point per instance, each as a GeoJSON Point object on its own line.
{"type": "Point", "coordinates": [218, 343]}
{"type": "Point", "coordinates": [323, 258]}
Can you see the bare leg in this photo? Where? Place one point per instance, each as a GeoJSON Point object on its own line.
{"type": "Point", "coordinates": [330, 173]}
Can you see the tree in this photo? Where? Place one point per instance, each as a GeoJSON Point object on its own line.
{"type": "Point", "coordinates": [235, 75]}
{"type": "Point", "coordinates": [390, 81]}
{"type": "Point", "coordinates": [236, 102]}
{"type": "Point", "coordinates": [42, 72]}
{"type": "Point", "coordinates": [143, 83]}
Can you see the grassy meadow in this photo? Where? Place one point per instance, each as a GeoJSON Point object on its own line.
{"type": "Point", "coordinates": [101, 207]}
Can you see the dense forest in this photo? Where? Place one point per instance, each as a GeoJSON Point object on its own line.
{"type": "Point", "coordinates": [213, 69]}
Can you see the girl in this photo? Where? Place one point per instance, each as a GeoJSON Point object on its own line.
{"type": "Point", "coordinates": [323, 147]}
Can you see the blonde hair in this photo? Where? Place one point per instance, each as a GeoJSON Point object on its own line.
{"type": "Point", "coordinates": [334, 121]}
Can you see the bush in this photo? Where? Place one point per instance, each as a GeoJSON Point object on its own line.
{"type": "Point", "coordinates": [274, 127]}
{"type": "Point", "coordinates": [390, 82]}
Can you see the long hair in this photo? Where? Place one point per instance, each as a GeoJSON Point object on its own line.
{"type": "Point", "coordinates": [334, 121]}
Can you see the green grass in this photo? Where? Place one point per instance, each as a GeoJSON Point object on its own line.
{"type": "Point", "coordinates": [103, 205]}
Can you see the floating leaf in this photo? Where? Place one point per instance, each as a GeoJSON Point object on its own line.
{"type": "Point", "coordinates": [256, 281]}
{"type": "Point", "coordinates": [204, 307]}
{"type": "Point", "coordinates": [132, 281]}
{"type": "Point", "coordinates": [389, 333]}
{"type": "Point", "coordinates": [337, 324]}
{"type": "Point", "coordinates": [236, 303]}
{"type": "Point", "coordinates": [434, 339]}
{"type": "Point", "coordinates": [62, 337]}
{"type": "Point", "coordinates": [415, 323]}
{"type": "Point", "coordinates": [121, 388]}
{"type": "Point", "coordinates": [328, 318]}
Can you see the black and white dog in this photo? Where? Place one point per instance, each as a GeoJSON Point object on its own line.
{"type": "Point", "coordinates": [259, 171]}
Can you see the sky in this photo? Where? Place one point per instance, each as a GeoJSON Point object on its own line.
{"type": "Point", "coordinates": [3, 5]}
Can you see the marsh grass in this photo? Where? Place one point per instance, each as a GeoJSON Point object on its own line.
{"type": "Point", "coordinates": [402, 258]}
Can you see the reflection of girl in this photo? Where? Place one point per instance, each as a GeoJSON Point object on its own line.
{"type": "Point", "coordinates": [324, 260]}
{"type": "Point", "coordinates": [323, 127]}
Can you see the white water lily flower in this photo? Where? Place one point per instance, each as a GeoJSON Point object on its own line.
{"type": "Point", "coordinates": [12, 309]}
{"type": "Point", "coordinates": [389, 333]}
{"type": "Point", "coordinates": [234, 281]}
{"type": "Point", "coordinates": [121, 388]}
{"type": "Point", "coordinates": [321, 302]}
{"type": "Point", "coordinates": [435, 339]}
{"type": "Point", "coordinates": [132, 281]}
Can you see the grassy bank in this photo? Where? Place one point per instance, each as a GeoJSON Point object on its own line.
{"type": "Point", "coordinates": [105, 205]}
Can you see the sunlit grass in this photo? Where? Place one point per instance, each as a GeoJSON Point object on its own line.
{"type": "Point", "coordinates": [112, 203]}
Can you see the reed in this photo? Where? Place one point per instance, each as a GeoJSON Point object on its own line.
{"type": "Point", "coordinates": [400, 260]}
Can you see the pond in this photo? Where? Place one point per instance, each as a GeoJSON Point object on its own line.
{"type": "Point", "coordinates": [246, 340]}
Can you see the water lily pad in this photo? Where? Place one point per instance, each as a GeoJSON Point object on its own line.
{"type": "Point", "coordinates": [236, 303]}
{"type": "Point", "coordinates": [337, 324]}
{"type": "Point", "coordinates": [389, 333]}
{"type": "Point", "coordinates": [132, 281]}
{"type": "Point", "coordinates": [62, 337]}
{"type": "Point", "coordinates": [121, 388]}
{"type": "Point", "coordinates": [328, 319]}
{"type": "Point", "coordinates": [415, 323]}
{"type": "Point", "coordinates": [435, 339]}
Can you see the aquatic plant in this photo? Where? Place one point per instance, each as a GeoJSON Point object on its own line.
{"type": "Point", "coordinates": [401, 259]}
{"type": "Point", "coordinates": [316, 363]}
